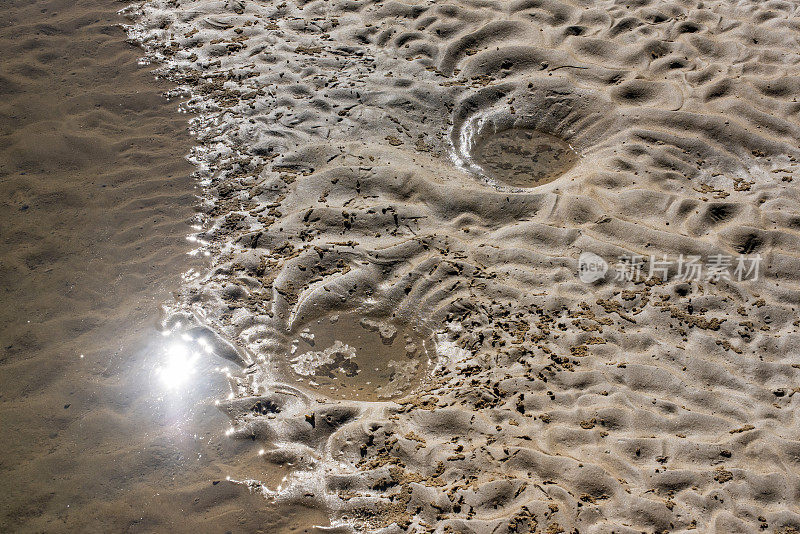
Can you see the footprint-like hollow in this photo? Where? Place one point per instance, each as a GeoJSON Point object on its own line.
{"type": "Point", "coordinates": [522, 157]}
{"type": "Point", "coordinates": [356, 358]}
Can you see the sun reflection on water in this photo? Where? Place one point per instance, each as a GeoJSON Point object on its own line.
{"type": "Point", "coordinates": [180, 360]}
{"type": "Point", "coordinates": [179, 365]}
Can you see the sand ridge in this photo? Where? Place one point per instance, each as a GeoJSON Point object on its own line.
{"type": "Point", "coordinates": [329, 140]}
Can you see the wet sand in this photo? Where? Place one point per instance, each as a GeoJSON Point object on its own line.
{"type": "Point", "coordinates": [337, 142]}
{"type": "Point", "coordinates": [96, 200]}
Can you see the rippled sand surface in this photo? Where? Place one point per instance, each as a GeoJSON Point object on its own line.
{"type": "Point", "coordinates": [336, 144]}
{"type": "Point", "coordinates": [95, 203]}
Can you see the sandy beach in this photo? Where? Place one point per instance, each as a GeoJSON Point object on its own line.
{"type": "Point", "coordinates": [470, 266]}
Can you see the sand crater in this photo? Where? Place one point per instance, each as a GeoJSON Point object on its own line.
{"type": "Point", "coordinates": [516, 137]}
{"type": "Point", "coordinates": [523, 157]}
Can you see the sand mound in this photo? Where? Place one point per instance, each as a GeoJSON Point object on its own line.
{"type": "Point", "coordinates": [334, 145]}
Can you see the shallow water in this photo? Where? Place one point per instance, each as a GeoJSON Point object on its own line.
{"type": "Point", "coordinates": [351, 357]}
{"type": "Point", "coordinates": [95, 205]}
{"type": "Point", "coordinates": [523, 157]}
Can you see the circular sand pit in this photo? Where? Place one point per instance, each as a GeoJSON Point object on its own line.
{"type": "Point", "coordinates": [522, 157]}
{"type": "Point", "coordinates": [357, 358]}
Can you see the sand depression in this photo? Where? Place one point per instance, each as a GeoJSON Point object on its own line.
{"type": "Point", "coordinates": [523, 158]}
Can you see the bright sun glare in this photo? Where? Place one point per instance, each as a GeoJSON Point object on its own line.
{"type": "Point", "coordinates": [178, 366]}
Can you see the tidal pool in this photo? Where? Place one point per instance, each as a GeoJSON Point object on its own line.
{"type": "Point", "coordinates": [523, 158]}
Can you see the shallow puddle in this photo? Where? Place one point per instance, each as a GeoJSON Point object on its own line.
{"type": "Point", "coordinates": [351, 357]}
{"type": "Point", "coordinates": [523, 157]}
